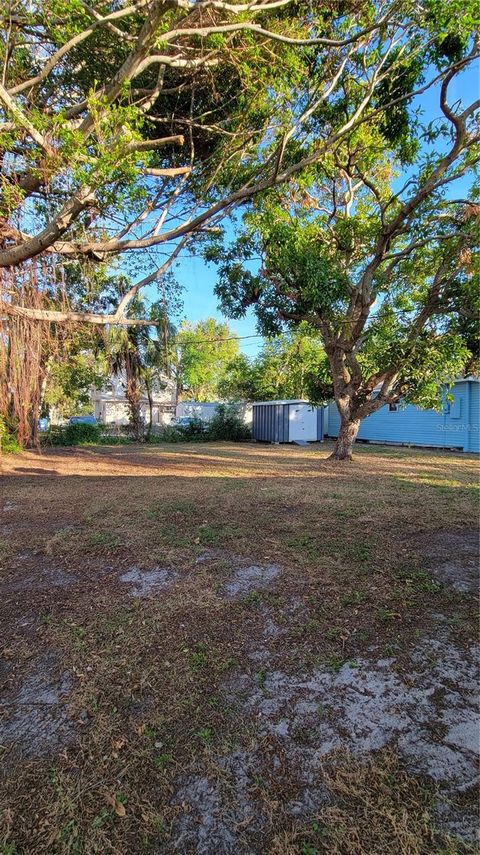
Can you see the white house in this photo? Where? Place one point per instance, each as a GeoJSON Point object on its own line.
{"type": "Point", "coordinates": [205, 410]}
{"type": "Point", "coordinates": [110, 405]}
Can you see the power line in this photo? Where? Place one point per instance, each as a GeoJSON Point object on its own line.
{"type": "Point", "coordinates": [216, 340]}
{"type": "Point", "coordinates": [397, 312]}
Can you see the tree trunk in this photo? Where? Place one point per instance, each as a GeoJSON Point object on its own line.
{"type": "Point", "coordinates": [345, 440]}
{"type": "Point", "coordinates": [150, 410]}
{"type": "Point", "coordinates": [133, 400]}
{"type": "Point", "coordinates": [132, 394]}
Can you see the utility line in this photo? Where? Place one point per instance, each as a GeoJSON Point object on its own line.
{"type": "Point", "coordinates": [398, 312]}
{"type": "Point", "coordinates": [216, 340]}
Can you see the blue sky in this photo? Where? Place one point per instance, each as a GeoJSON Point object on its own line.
{"type": "Point", "coordinates": [198, 279]}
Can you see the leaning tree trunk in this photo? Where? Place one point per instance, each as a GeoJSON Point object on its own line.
{"type": "Point", "coordinates": [345, 440]}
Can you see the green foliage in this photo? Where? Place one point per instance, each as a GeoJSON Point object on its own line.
{"type": "Point", "coordinates": [436, 360]}
{"type": "Point", "coordinates": [386, 277]}
{"type": "Point", "coordinates": [396, 123]}
{"type": "Point", "coordinates": [8, 442]}
{"type": "Point", "coordinates": [168, 433]}
{"type": "Point", "coordinates": [234, 99]}
{"type": "Point", "coordinates": [259, 112]}
{"type": "Point", "coordinates": [141, 357]}
{"type": "Point", "coordinates": [192, 430]}
{"type": "Point", "coordinates": [227, 424]}
{"type": "Point", "coordinates": [451, 23]}
{"type": "Point", "coordinates": [70, 379]}
{"type": "Point", "coordinates": [204, 350]}
{"type": "Point", "coordinates": [73, 434]}
{"type": "Point", "coordinates": [466, 327]}
{"type": "Point", "coordinates": [293, 365]}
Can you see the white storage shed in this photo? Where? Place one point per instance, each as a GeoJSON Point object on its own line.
{"type": "Point", "coordinates": [287, 421]}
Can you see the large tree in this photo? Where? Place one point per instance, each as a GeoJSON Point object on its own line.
{"type": "Point", "coordinates": [203, 352]}
{"type": "Point", "coordinates": [376, 248]}
{"type": "Point", "coordinates": [135, 127]}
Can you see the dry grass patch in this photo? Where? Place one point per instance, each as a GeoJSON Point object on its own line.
{"type": "Point", "coordinates": [151, 716]}
{"type": "Point", "coordinates": [377, 809]}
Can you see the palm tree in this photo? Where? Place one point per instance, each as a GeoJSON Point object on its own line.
{"type": "Point", "coordinates": [125, 358]}
{"type": "Point", "coordinates": [142, 359]}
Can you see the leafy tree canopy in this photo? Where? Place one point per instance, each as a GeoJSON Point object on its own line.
{"type": "Point", "coordinates": [292, 365]}
{"type": "Point", "coordinates": [126, 128]}
{"type": "Point", "coordinates": [204, 350]}
{"type": "Point", "coordinates": [382, 262]}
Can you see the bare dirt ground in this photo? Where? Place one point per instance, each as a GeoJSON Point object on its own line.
{"type": "Point", "coordinates": [238, 649]}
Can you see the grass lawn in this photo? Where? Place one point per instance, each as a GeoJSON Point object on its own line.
{"type": "Point", "coordinates": [238, 649]}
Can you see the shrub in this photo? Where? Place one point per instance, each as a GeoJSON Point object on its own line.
{"type": "Point", "coordinates": [227, 423]}
{"type": "Point", "coordinates": [167, 433]}
{"type": "Point", "coordinates": [8, 442]}
{"type": "Point", "coordinates": [77, 434]}
{"type": "Point", "coordinates": [175, 433]}
{"type": "Point", "coordinates": [193, 430]}
{"type": "Point", "coordinates": [115, 439]}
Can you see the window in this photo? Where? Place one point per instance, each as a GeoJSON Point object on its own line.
{"type": "Point", "coordinates": [456, 408]}
{"type": "Point", "coordinates": [393, 408]}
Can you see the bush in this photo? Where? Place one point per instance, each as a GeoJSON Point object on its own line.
{"type": "Point", "coordinates": [193, 430]}
{"type": "Point", "coordinates": [167, 433]}
{"type": "Point", "coordinates": [227, 423]}
{"type": "Point", "coordinates": [8, 442]}
{"type": "Point", "coordinates": [115, 439]}
{"type": "Point", "coordinates": [77, 434]}
{"type": "Point", "coordinates": [175, 433]}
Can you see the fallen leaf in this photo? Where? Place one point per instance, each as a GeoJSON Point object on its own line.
{"type": "Point", "coordinates": [117, 806]}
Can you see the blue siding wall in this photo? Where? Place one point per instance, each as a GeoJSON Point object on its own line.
{"type": "Point", "coordinates": [457, 427]}
{"type": "Point", "coordinates": [473, 422]}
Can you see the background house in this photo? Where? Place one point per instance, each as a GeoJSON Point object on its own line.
{"type": "Point", "coordinates": [110, 405]}
{"type": "Point", "coordinates": [205, 410]}
{"type": "Point", "coordinates": [456, 426]}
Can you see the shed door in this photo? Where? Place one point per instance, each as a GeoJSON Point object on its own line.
{"type": "Point", "coordinates": [302, 422]}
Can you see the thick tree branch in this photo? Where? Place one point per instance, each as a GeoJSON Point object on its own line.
{"type": "Point", "coordinates": [24, 121]}
{"type": "Point", "coordinates": [61, 317]}
{"type": "Point", "coordinates": [150, 145]}
{"type": "Point", "coordinates": [73, 42]}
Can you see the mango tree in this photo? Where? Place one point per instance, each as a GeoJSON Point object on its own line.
{"type": "Point", "coordinates": [375, 246]}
